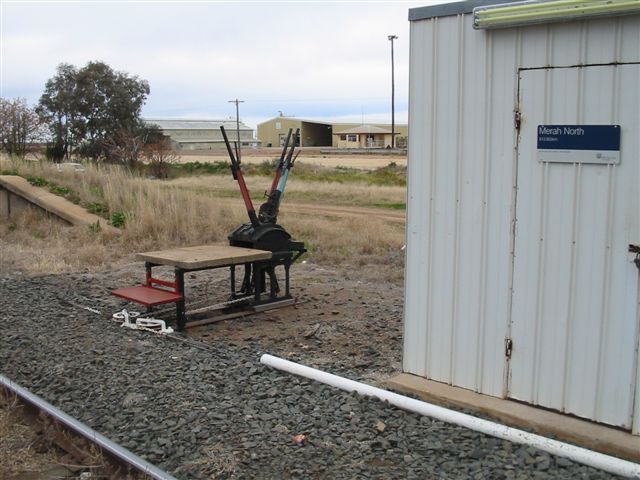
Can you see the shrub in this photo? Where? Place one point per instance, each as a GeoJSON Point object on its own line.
{"type": "Point", "coordinates": [58, 190]}
{"type": "Point", "coordinates": [98, 208]}
{"type": "Point", "coordinates": [118, 219]}
{"type": "Point", "coordinates": [199, 168]}
{"type": "Point", "coordinates": [37, 181]}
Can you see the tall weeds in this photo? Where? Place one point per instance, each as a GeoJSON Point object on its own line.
{"type": "Point", "coordinates": [187, 211]}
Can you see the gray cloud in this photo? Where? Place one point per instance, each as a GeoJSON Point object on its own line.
{"type": "Point", "coordinates": [312, 59]}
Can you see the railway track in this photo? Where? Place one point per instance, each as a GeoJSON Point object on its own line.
{"type": "Point", "coordinates": [77, 439]}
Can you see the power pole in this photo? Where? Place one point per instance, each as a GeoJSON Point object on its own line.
{"type": "Point", "coordinates": [393, 113]}
{"type": "Point", "coordinates": [237, 102]}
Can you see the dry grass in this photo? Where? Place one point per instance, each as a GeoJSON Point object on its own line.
{"type": "Point", "coordinates": [323, 193]}
{"type": "Point", "coordinates": [187, 211]}
{"type": "Point", "coordinates": [355, 241]}
{"type": "Point", "coordinates": [32, 241]}
{"type": "Point", "coordinates": [17, 454]}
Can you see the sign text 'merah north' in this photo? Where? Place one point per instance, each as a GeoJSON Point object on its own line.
{"type": "Point", "coordinates": [560, 130]}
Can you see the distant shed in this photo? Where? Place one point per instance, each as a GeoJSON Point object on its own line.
{"type": "Point", "coordinates": [315, 133]}
{"type": "Point", "coordinates": [524, 207]}
{"type": "Point", "coordinates": [273, 132]}
{"type": "Point", "coordinates": [186, 134]}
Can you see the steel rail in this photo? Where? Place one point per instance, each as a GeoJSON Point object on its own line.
{"type": "Point", "coordinates": [80, 428]}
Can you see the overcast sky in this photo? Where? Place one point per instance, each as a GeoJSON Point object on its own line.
{"type": "Point", "coordinates": [319, 60]}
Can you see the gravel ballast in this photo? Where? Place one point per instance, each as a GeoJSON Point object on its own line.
{"type": "Point", "coordinates": [211, 410]}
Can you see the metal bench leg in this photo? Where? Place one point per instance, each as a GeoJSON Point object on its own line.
{"type": "Point", "coordinates": [245, 289]}
{"type": "Point", "coordinates": [257, 279]}
{"type": "Point", "coordinates": [233, 281]}
{"type": "Point", "coordinates": [181, 317]}
{"type": "Point", "coordinates": [273, 282]}
{"type": "Point", "coordinates": [147, 268]}
{"type": "Point", "coordinates": [287, 266]}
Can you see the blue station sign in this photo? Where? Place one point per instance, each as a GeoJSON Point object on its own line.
{"type": "Point", "coordinates": [579, 144]}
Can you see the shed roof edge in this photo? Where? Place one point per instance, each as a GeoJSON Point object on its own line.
{"type": "Point", "coordinates": [448, 9]}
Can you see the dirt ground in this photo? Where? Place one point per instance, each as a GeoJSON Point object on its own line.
{"type": "Point", "coordinates": [347, 317]}
{"type": "Point", "coordinates": [308, 155]}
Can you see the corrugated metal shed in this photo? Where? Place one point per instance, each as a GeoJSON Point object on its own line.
{"type": "Point", "coordinates": [184, 124]}
{"type": "Point", "coordinates": [503, 247]}
{"type": "Point", "coordinates": [295, 119]}
{"type": "Point", "coordinates": [200, 134]}
{"type": "Point", "coordinates": [312, 132]}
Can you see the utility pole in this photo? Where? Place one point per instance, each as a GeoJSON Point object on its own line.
{"type": "Point", "coordinates": [237, 102]}
{"type": "Point", "coordinates": [393, 113]}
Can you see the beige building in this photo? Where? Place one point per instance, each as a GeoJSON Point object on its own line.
{"type": "Point", "coordinates": [323, 134]}
{"type": "Point", "coordinates": [364, 136]}
{"type": "Point", "coordinates": [201, 134]}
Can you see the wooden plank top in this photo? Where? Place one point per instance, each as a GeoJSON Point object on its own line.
{"type": "Point", "coordinates": [204, 256]}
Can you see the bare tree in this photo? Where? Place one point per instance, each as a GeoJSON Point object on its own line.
{"type": "Point", "coordinates": [20, 126]}
{"type": "Point", "coordinates": [160, 156]}
{"type": "Point", "coordinates": [124, 148]}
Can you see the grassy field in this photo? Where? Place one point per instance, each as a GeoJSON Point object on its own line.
{"type": "Point", "coordinates": [196, 208]}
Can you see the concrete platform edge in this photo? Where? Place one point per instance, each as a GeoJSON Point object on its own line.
{"type": "Point", "coordinates": [597, 437]}
{"type": "Point", "coordinates": [54, 204]}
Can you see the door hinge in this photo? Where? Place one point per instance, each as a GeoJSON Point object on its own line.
{"type": "Point", "coordinates": [517, 119]}
{"type": "Point", "coordinates": [508, 347]}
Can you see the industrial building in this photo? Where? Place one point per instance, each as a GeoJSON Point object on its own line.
{"type": "Point", "coordinates": [364, 136]}
{"type": "Point", "coordinates": [272, 133]}
{"type": "Point", "coordinates": [188, 134]}
{"type": "Point", "coordinates": [523, 221]}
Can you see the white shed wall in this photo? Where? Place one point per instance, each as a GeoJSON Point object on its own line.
{"type": "Point", "coordinates": [461, 178]}
{"type": "Point", "coordinates": [575, 289]}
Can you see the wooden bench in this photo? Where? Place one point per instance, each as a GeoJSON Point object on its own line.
{"type": "Point", "coordinates": [155, 291]}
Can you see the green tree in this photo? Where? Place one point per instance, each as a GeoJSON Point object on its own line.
{"type": "Point", "coordinates": [92, 108]}
{"type": "Point", "coordinates": [58, 105]}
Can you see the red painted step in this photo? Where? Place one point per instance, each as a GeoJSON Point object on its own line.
{"type": "Point", "coordinates": [147, 296]}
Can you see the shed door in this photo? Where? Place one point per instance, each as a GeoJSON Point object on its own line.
{"type": "Point", "coordinates": [574, 318]}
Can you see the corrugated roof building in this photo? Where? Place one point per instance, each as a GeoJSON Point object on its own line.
{"type": "Point", "coordinates": [188, 134]}
{"type": "Point", "coordinates": [314, 133]}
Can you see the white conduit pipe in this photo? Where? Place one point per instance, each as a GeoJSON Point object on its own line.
{"type": "Point", "coordinates": [577, 454]}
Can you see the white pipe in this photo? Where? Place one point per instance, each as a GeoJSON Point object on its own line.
{"type": "Point", "coordinates": [577, 454]}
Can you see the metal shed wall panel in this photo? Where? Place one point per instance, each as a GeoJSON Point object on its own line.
{"type": "Point", "coordinates": [461, 177]}
{"type": "Point", "coordinates": [453, 253]}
